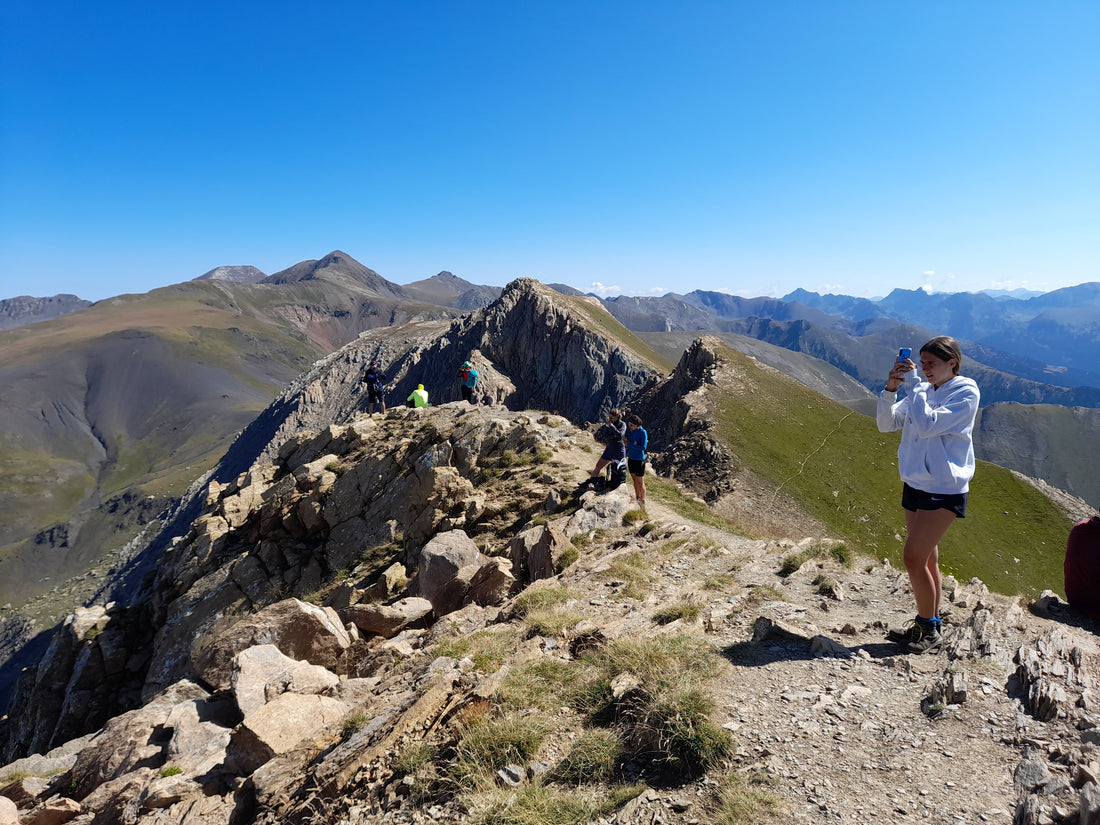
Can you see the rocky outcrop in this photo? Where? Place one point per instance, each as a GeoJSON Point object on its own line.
{"type": "Point", "coordinates": [367, 501]}
{"type": "Point", "coordinates": [681, 424]}
{"type": "Point", "coordinates": [532, 348]}
{"type": "Point", "coordinates": [24, 309]}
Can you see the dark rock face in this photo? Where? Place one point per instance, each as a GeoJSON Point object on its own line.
{"type": "Point", "coordinates": [679, 431]}
{"type": "Point", "coordinates": [550, 353]}
{"type": "Point", "coordinates": [24, 309]}
{"type": "Point", "coordinates": [532, 352]}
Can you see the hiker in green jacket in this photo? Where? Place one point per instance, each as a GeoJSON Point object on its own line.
{"type": "Point", "coordinates": [418, 397]}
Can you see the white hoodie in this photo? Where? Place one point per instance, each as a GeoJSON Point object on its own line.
{"type": "Point", "coordinates": [936, 454]}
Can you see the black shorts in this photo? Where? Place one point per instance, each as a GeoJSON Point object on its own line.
{"type": "Point", "coordinates": [374, 395]}
{"type": "Point", "coordinates": [636, 466]}
{"type": "Point", "coordinates": [913, 499]}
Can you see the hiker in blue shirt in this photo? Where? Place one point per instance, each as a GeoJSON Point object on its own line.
{"type": "Point", "coordinates": [637, 439]}
{"type": "Point", "coordinates": [376, 380]}
{"type": "Point", "coordinates": [468, 376]}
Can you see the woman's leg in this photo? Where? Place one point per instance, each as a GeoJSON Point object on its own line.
{"type": "Point", "coordinates": [639, 488]}
{"type": "Point", "coordinates": [925, 528]}
{"type": "Point", "coordinates": [603, 462]}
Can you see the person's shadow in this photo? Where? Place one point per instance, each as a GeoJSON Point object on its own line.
{"type": "Point", "coordinates": [771, 642]}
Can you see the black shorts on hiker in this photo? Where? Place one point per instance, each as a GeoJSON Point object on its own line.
{"type": "Point", "coordinates": [913, 499]}
{"type": "Point", "coordinates": [636, 466]}
{"type": "Point", "coordinates": [374, 396]}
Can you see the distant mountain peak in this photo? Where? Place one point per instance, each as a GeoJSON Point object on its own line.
{"type": "Point", "coordinates": [338, 267]}
{"type": "Point", "coordinates": [234, 274]}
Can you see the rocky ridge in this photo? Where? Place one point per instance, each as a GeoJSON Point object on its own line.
{"type": "Point", "coordinates": [322, 618]}
{"type": "Point", "coordinates": [25, 309]}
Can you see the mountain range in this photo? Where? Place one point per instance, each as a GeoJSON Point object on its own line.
{"type": "Point", "coordinates": [366, 617]}
{"type": "Point", "coordinates": [111, 410]}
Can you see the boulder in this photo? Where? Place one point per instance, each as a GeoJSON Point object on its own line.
{"type": "Point", "coordinates": [200, 733]}
{"type": "Point", "coordinates": [492, 583]}
{"type": "Point", "coordinates": [112, 798]}
{"type": "Point", "coordinates": [535, 553]}
{"type": "Point", "coordinates": [23, 792]}
{"type": "Point", "coordinates": [9, 814]}
{"type": "Point", "coordinates": [262, 672]}
{"type": "Point", "coordinates": [599, 511]}
{"type": "Point", "coordinates": [134, 740]}
{"type": "Point", "coordinates": [278, 726]}
{"type": "Point", "coordinates": [441, 559]}
{"type": "Point", "coordinates": [387, 620]}
{"type": "Point", "coordinates": [301, 631]}
{"type": "Point", "coordinates": [54, 811]}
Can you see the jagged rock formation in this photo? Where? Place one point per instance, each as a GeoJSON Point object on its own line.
{"type": "Point", "coordinates": [24, 309]}
{"type": "Point", "coordinates": [363, 496]}
{"type": "Point", "coordinates": [682, 430]}
{"type": "Point", "coordinates": [532, 349]}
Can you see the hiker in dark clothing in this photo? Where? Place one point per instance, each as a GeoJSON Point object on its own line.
{"type": "Point", "coordinates": [468, 376]}
{"type": "Point", "coordinates": [376, 380]}
{"type": "Point", "coordinates": [611, 434]}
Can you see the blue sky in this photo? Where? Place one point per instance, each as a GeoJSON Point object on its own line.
{"type": "Point", "coordinates": [641, 147]}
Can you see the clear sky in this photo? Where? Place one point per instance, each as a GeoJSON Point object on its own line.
{"type": "Point", "coordinates": [620, 147]}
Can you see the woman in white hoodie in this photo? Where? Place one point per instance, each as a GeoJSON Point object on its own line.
{"type": "Point", "coordinates": [936, 463]}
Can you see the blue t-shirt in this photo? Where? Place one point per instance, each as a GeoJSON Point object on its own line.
{"type": "Point", "coordinates": [636, 441]}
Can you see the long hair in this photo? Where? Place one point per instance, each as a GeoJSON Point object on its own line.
{"type": "Point", "coordinates": [945, 348]}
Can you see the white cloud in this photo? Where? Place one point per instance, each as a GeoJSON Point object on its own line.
{"type": "Point", "coordinates": [932, 281]}
{"type": "Point", "coordinates": [605, 291]}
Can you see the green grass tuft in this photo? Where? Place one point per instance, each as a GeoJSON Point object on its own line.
{"type": "Point", "coordinates": [687, 610]}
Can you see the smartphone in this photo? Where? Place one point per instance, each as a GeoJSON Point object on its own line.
{"type": "Point", "coordinates": [904, 354]}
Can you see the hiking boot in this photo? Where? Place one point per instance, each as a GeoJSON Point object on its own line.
{"type": "Point", "coordinates": [924, 638]}
{"type": "Point", "coordinates": [916, 637]}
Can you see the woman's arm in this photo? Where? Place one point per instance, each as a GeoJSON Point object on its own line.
{"type": "Point", "coordinates": [954, 415]}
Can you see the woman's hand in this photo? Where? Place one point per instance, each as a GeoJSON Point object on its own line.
{"type": "Point", "coordinates": [897, 374]}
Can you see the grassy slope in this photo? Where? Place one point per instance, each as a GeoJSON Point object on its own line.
{"type": "Point", "coordinates": [607, 324]}
{"type": "Point", "coordinates": [844, 472]}
{"type": "Point", "coordinates": [206, 369]}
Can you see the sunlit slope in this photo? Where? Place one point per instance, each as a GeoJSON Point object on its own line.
{"type": "Point", "coordinates": [134, 396]}
{"type": "Point", "coordinates": [844, 472]}
{"type": "Point", "coordinates": [602, 321]}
